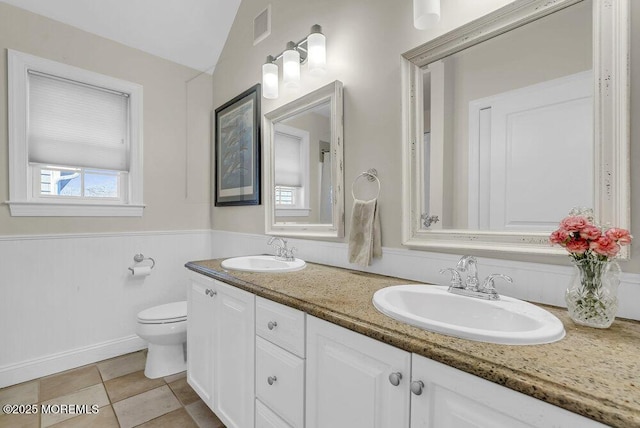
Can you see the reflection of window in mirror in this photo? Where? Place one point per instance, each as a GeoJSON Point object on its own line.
{"type": "Point", "coordinates": [291, 176]}
{"type": "Point", "coordinates": [506, 119]}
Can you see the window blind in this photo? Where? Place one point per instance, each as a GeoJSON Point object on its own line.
{"type": "Point", "coordinates": [75, 124]}
{"type": "Point", "coordinates": [288, 165]}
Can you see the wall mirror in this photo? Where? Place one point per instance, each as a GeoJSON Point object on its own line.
{"type": "Point", "coordinates": [512, 120]}
{"type": "Point", "coordinates": [304, 178]}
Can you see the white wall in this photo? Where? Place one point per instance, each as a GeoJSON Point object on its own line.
{"type": "Point", "coordinates": [365, 41]}
{"type": "Point", "coordinates": [66, 297]}
{"type": "Point", "coordinates": [69, 300]}
{"type": "Point", "coordinates": [176, 157]}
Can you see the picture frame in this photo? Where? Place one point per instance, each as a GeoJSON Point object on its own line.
{"type": "Point", "coordinates": [237, 150]}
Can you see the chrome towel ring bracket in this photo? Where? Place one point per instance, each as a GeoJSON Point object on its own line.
{"type": "Point", "coordinates": [139, 258]}
{"type": "Point", "coordinates": [370, 175]}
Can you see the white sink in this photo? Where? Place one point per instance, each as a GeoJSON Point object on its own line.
{"type": "Point", "coordinates": [506, 321]}
{"type": "Point", "coordinates": [262, 264]}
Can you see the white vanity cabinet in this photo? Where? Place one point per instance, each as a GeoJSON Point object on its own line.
{"type": "Point", "coordinates": [444, 397]}
{"type": "Point", "coordinates": [220, 349]}
{"type": "Point", "coordinates": [350, 384]}
{"type": "Point", "coordinates": [280, 365]}
{"type": "Point", "coordinates": [354, 381]}
{"type": "Point", "coordinates": [257, 363]}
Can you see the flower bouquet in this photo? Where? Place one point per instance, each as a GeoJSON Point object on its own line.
{"type": "Point", "coordinates": [592, 295]}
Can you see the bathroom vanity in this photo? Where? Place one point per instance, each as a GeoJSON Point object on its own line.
{"type": "Point", "coordinates": [308, 348]}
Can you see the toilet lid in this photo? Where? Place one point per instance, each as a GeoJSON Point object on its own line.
{"type": "Point", "coordinates": [170, 312]}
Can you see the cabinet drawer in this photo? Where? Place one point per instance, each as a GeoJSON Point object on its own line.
{"type": "Point", "coordinates": [280, 381]}
{"type": "Point", "coordinates": [265, 418]}
{"type": "Point", "coordinates": [281, 325]}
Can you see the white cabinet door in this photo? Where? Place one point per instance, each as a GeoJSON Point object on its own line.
{"type": "Point", "coordinates": [234, 356]}
{"type": "Point", "coordinates": [221, 350]}
{"type": "Point", "coordinates": [348, 384]}
{"type": "Point", "coordinates": [452, 398]}
{"type": "Point", "coordinates": [200, 312]}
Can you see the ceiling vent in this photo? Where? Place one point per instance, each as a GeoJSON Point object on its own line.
{"type": "Point", "coordinates": [262, 26]}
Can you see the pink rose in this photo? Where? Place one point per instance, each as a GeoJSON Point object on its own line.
{"type": "Point", "coordinates": [605, 246]}
{"type": "Point", "coordinates": [577, 246]}
{"type": "Point", "coordinates": [621, 236]}
{"type": "Point", "coordinates": [590, 232]}
{"type": "Point", "coordinates": [574, 223]}
{"type": "Point", "coordinates": [559, 236]}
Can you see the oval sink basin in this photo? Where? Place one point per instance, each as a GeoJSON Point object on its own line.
{"type": "Point", "coordinates": [506, 321]}
{"type": "Point", "coordinates": [262, 264]}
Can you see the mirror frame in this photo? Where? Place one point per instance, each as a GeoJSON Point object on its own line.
{"type": "Point", "coordinates": [333, 94]}
{"type": "Point", "coordinates": [611, 125]}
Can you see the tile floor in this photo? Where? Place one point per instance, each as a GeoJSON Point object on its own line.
{"type": "Point", "coordinates": [124, 396]}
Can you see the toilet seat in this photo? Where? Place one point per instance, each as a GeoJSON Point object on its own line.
{"type": "Point", "coordinates": [164, 314]}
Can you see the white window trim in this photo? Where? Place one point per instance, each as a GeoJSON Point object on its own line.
{"type": "Point", "coordinates": [21, 202]}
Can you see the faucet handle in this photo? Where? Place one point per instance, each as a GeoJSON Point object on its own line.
{"type": "Point", "coordinates": [456, 280]}
{"type": "Point", "coordinates": [489, 287]}
{"type": "Point", "coordinates": [288, 254]}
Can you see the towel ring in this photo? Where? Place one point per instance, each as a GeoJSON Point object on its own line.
{"type": "Point", "coordinates": [371, 175]}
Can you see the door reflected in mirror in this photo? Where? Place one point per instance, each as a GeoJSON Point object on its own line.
{"type": "Point", "coordinates": [508, 128]}
{"type": "Point", "coordinates": [304, 171]}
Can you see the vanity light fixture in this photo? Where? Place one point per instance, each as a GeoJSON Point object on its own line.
{"type": "Point", "coordinates": [311, 49]}
{"type": "Point", "coordinates": [426, 13]}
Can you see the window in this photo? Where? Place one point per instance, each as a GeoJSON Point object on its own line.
{"type": "Point", "coordinates": [286, 196]}
{"type": "Point", "coordinates": [75, 141]}
{"type": "Point", "coordinates": [291, 173]}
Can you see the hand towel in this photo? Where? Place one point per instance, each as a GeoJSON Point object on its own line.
{"type": "Point", "coordinates": [364, 235]}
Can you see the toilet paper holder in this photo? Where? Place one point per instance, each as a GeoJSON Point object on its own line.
{"type": "Point", "coordinates": [139, 258]}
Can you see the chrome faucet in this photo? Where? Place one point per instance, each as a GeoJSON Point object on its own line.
{"type": "Point", "coordinates": [282, 252]}
{"type": "Point", "coordinates": [471, 286]}
{"type": "Point", "coordinates": [469, 264]}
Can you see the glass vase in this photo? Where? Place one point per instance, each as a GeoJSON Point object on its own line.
{"type": "Point", "coordinates": [592, 296]}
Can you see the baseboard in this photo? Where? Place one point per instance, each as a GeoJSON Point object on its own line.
{"type": "Point", "coordinates": [55, 363]}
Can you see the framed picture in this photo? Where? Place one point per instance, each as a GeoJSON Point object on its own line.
{"type": "Point", "coordinates": [237, 150]}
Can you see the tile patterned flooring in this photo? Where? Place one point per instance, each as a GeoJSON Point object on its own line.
{"type": "Point", "coordinates": [124, 396]}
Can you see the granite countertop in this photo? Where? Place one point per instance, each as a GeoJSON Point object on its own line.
{"type": "Point", "coordinates": [592, 372]}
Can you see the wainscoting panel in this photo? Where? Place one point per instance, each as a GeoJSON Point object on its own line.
{"type": "Point", "coordinates": [534, 282]}
{"type": "Point", "coordinates": [69, 300]}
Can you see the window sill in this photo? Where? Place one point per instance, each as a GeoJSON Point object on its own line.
{"type": "Point", "coordinates": [293, 212]}
{"type": "Point", "coordinates": [66, 209]}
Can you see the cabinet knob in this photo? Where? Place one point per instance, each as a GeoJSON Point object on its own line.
{"type": "Point", "coordinates": [272, 324]}
{"type": "Point", "coordinates": [417, 386]}
{"type": "Point", "coordinates": [212, 292]}
{"type": "Point", "coordinates": [271, 379]}
{"type": "Point", "coordinates": [207, 291]}
{"type": "Point", "coordinates": [395, 378]}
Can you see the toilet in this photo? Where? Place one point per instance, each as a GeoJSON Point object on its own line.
{"type": "Point", "coordinates": [164, 327]}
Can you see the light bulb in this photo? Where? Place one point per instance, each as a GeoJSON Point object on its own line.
{"type": "Point", "coordinates": [291, 67]}
{"type": "Point", "coordinates": [426, 13]}
{"type": "Point", "coordinates": [317, 51]}
{"type": "Point", "coordinates": [270, 79]}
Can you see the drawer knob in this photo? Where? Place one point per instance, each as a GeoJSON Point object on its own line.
{"type": "Point", "coordinates": [395, 378]}
{"type": "Point", "coordinates": [271, 379]}
{"type": "Point", "coordinates": [417, 386]}
{"type": "Point", "coordinates": [271, 325]}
